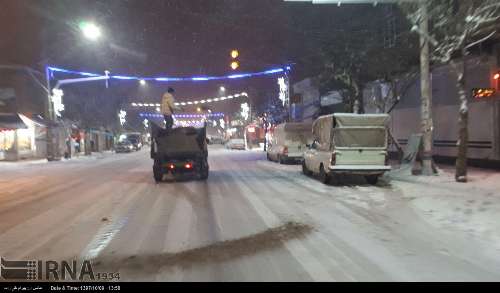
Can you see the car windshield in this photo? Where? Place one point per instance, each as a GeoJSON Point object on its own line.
{"type": "Point", "coordinates": [248, 141]}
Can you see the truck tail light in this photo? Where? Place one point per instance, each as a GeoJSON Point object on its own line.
{"type": "Point", "coordinates": [188, 166]}
{"type": "Point", "coordinates": [171, 166]}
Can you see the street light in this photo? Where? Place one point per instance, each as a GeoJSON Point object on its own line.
{"type": "Point", "coordinates": [90, 30]}
{"type": "Point", "coordinates": [235, 65]}
{"type": "Point", "coordinates": [142, 82]}
{"type": "Point", "coordinates": [222, 89]}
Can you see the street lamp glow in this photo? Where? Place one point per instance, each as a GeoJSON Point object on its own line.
{"type": "Point", "coordinates": [222, 89]}
{"type": "Point", "coordinates": [235, 65]}
{"type": "Point", "coordinates": [142, 82]}
{"type": "Point", "coordinates": [198, 109]}
{"type": "Point", "coordinates": [90, 30]}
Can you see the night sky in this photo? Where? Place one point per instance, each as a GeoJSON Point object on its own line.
{"type": "Point", "coordinates": [170, 38]}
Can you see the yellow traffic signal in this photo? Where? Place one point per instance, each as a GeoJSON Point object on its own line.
{"type": "Point", "coordinates": [235, 53]}
{"type": "Point", "coordinates": [235, 65]}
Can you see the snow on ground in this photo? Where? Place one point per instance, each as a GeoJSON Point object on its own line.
{"type": "Point", "coordinates": [252, 220]}
{"type": "Point", "coordinates": [473, 207]}
{"type": "Point", "coordinates": [31, 162]}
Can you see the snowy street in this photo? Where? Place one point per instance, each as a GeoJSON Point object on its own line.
{"type": "Point", "coordinates": [252, 220]}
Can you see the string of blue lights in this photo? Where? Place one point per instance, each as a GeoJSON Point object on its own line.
{"type": "Point", "coordinates": [218, 114]}
{"type": "Point", "coordinates": [284, 69]}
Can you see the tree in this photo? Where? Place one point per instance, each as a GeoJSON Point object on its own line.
{"type": "Point", "coordinates": [361, 54]}
{"type": "Point", "coordinates": [456, 27]}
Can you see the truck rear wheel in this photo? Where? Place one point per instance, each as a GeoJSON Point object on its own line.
{"type": "Point", "coordinates": [372, 179]}
{"type": "Point", "coordinates": [204, 171]}
{"type": "Point", "coordinates": [157, 172]}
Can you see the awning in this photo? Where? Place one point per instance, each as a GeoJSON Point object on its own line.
{"type": "Point", "coordinates": [10, 121]}
{"type": "Point", "coordinates": [39, 120]}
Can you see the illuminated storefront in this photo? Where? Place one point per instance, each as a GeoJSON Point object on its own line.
{"type": "Point", "coordinates": [21, 138]}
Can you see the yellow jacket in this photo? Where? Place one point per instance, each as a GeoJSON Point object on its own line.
{"type": "Point", "coordinates": [167, 104]}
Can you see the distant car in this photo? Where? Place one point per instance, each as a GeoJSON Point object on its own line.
{"type": "Point", "coordinates": [235, 144]}
{"type": "Point", "coordinates": [135, 138]}
{"type": "Point", "coordinates": [124, 146]}
{"type": "Point", "coordinates": [136, 142]}
{"type": "Point", "coordinates": [215, 140]}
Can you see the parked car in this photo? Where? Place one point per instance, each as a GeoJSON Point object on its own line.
{"type": "Point", "coordinates": [124, 146]}
{"type": "Point", "coordinates": [348, 144]}
{"type": "Point", "coordinates": [289, 142]}
{"type": "Point", "coordinates": [235, 144]}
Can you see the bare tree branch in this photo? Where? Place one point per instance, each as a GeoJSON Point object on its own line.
{"type": "Point", "coordinates": [480, 40]}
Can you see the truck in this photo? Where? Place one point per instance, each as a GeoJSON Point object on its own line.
{"type": "Point", "coordinates": [181, 151]}
{"type": "Point", "coordinates": [346, 143]}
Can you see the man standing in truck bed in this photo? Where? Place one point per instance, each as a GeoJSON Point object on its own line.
{"type": "Point", "coordinates": [167, 108]}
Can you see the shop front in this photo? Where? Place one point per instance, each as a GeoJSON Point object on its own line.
{"type": "Point", "coordinates": [21, 137]}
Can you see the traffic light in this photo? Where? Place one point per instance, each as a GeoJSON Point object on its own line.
{"type": "Point", "coordinates": [234, 63]}
{"type": "Point", "coordinates": [234, 54]}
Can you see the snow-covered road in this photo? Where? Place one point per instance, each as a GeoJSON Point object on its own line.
{"type": "Point", "coordinates": [252, 220]}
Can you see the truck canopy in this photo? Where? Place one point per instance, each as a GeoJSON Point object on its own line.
{"type": "Point", "coordinates": [346, 130]}
{"type": "Point", "coordinates": [360, 120]}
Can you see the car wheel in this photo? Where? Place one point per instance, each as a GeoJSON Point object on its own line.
{"type": "Point", "coordinates": [305, 170]}
{"type": "Point", "coordinates": [323, 176]}
{"type": "Point", "coordinates": [372, 179]}
{"type": "Point", "coordinates": [281, 160]}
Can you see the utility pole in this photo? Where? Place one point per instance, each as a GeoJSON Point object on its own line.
{"type": "Point", "coordinates": [51, 154]}
{"type": "Point", "coordinates": [426, 93]}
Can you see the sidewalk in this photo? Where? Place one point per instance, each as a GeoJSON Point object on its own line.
{"type": "Point", "coordinates": [472, 207]}
{"type": "Point", "coordinates": [29, 162]}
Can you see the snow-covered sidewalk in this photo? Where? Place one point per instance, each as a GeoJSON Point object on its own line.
{"type": "Point", "coordinates": [31, 162]}
{"type": "Point", "coordinates": [472, 208]}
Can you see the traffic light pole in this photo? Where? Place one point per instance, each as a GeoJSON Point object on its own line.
{"type": "Point", "coordinates": [52, 150]}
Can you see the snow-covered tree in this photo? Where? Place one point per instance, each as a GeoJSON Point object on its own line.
{"type": "Point", "coordinates": [361, 54]}
{"type": "Point", "coordinates": [456, 27]}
